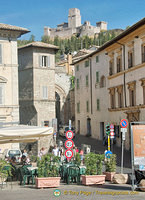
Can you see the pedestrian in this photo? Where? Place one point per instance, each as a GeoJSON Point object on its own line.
{"type": "Point", "coordinates": [25, 153]}
{"type": "Point", "coordinates": [55, 151]}
{"type": "Point", "coordinates": [82, 156]}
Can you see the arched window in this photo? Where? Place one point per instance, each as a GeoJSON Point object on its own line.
{"type": "Point", "coordinates": [102, 82]}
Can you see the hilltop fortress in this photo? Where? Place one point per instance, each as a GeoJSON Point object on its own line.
{"type": "Point", "coordinates": [74, 27]}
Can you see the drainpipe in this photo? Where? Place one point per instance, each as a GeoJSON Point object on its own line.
{"type": "Point", "coordinates": [124, 81]}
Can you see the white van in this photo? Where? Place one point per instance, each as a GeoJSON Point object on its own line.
{"type": "Point", "coordinates": [9, 153]}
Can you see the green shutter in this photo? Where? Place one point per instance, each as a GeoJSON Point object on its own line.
{"type": "Point", "coordinates": [98, 104]}
{"type": "Point", "coordinates": [87, 82]}
{"type": "Point", "coordinates": [97, 77]}
{"type": "Point", "coordinates": [97, 59]}
{"type": "Point", "coordinates": [87, 106]}
{"type": "Point", "coordinates": [77, 83]}
{"type": "Point", "coordinates": [77, 67]}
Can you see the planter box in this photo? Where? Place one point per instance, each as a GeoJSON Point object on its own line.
{"type": "Point", "coordinates": [93, 179]}
{"type": "Point", "coordinates": [47, 182]}
{"type": "Point", "coordinates": [109, 176]}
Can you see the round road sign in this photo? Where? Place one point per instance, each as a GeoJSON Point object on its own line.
{"type": "Point", "coordinates": [69, 153]}
{"type": "Point", "coordinates": [69, 135]}
{"type": "Point", "coordinates": [69, 144]}
{"type": "Point", "coordinates": [108, 154]}
{"type": "Point", "coordinates": [124, 123]}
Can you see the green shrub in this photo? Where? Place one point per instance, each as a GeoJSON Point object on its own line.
{"type": "Point", "coordinates": [93, 163]}
{"type": "Point", "coordinates": [48, 166]}
{"type": "Point", "coordinates": [110, 163]}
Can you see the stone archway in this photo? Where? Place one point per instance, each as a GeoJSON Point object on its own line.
{"type": "Point", "coordinates": [60, 97]}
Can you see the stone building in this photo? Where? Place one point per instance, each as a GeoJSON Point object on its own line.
{"type": "Point", "coordinates": [74, 27]}
{"type": "Point", "coordinates": [37, 83]}
{"type": "Point", "coordinates": [119, 88]}
{"type": "Point", "coordinates": [9, 104]}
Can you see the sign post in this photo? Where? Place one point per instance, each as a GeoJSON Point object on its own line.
{"type": "Point", "coordinates": [111, 135]}
{"type": "Point", "coordinates": [123, 124]}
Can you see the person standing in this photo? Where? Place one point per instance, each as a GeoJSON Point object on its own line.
{"type": "Point", "coordinates": [55, 151]}
{"type": "Point", "coordinates": [82, 156]}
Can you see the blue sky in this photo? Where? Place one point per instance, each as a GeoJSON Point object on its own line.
{"type": "Point", "coordinates": [35, 14]}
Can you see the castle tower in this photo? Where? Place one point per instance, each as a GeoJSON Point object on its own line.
{"type": "Point", "coordinates": [74, 18]}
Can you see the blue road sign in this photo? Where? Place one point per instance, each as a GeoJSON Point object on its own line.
{"type": "Point", "coordinates": [108, 154]}
{"type": "Point", "coordinates": [124, 123]}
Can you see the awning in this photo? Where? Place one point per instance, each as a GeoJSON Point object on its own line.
{"type": "Point", "coordinates": [22, 133]}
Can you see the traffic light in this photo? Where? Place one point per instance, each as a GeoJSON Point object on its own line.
{"type": "Point", "coordinates": [107, 129]}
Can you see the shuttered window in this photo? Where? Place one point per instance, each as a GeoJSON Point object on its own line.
{"type": "Point", "coordinates": [44, 61]}
{"type": "Point", "coordinates": [45, 92]}
{"type": "Point", "coordinates": [0, 54]}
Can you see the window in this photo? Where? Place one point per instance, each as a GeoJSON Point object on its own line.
{"type": "Point", "coordinates": [112, 97]}
{"type": "Point", "coordinates": [77, 67]}
{"type": "Point", "coordinates": [0, 54]}
{"type": "Point", "coordinates": [143, 85]}
{"type": "Point", "coordinates": [98, 104]}
{"type": "Point", "coordinates": [111, 67]}
{"type": "Point", "coordinates": [78, 83]}
{"type": "Point", "coordinates": [78, 107]}
{"type": "Point", "coordinates": [102, 82]}
{"type": "Point", "coordinates": [44, 61]}
{"type": "Point", "coordinates": [97, 77]}
{"type": "Point", "coordinates": [1, 94]}
{"type": "Point", "coordinates": [130, 59]}
{"type": "Point", "coordinates": [120, 96]}
{"type": "Point", "coordinates": [45, 92]}
{"type": "Point", "coordinates": [119, 67]}
{"type": "Point", "coordinates": [132, 93]}
{"type": "Point", "coordinates": [87, 106]}
{"type": "Point", "coordinates": [143, 53]}
{"type": "Point", "coordinates": [97, 59]}
{"type": "Point", "coordinates": [87, 81]}
{"type": "Point", "coordinates": [86, 63]}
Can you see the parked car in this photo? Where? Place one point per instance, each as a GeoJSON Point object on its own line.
{"type": "Point", "coordinates": [64, 129]}
{"type": "Point", "coordinates": [9, 153]}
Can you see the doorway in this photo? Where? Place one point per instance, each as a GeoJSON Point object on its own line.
{"type": "Point", "coordinates": [101, 130]}
{"type": "Point", "coordinates": [89, 127]}
{"type": "Point", "coordinates": [78, 126]}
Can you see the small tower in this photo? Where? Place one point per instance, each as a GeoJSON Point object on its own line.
{"type": "Point", "coordinates": [102, 25]}
{"type": "Point", "coordinates": [46, 31]}
{"type": "Point", "coordinates": [74, 18]}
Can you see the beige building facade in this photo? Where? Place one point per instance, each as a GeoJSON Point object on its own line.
{"type": "Point", "coordinates": [9, 103]}
{"type": "Point", "coordinates": [122, 72]}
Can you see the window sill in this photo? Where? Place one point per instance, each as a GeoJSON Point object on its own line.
{"type": "Point", "coordinates": [126, 108]}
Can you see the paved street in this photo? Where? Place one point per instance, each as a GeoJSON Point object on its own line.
{"type": "Point", "coordinates": [97, 146]}
{"type": "Point", "coordinates": [77, 192]}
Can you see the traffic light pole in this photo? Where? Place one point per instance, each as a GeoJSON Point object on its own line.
{"type": "Point", "coordinates": [108, 142]}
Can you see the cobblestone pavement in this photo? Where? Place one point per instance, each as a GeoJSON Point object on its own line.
{"type": "Point", "coordinates": [77, 192]}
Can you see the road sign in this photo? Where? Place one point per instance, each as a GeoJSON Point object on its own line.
{"type": "Point", "coordinates": [111, 126]}
{"type": "Point", "coordinates": [69, 135]}
{"type": "Point", "coordinates": [124, 123]}
{"type": "Point", "coordinates": [108, 154]}
{"type": "Point", "coordinates": [69, 144]}
{"type": "Point", "coordinates": [123, 129]}
{"type": "Point", "coordinates": [69, 124]}
{"type": "Point", "coordinates": [68, 153]}
{"type": "Point", "coordinates": [112, 134]}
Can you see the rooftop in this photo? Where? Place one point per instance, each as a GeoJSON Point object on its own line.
{"type": "Point", "coordinates": [13, 28]}
{"type": "Point", "coordinates": [115, 40]}
{"type": "Point", "coordinates": [41, 45]}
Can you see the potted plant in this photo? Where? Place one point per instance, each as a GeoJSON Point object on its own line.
{"type": "Point", "coordinates": [33, 160]}
{"type": "Point", "coordinates": [93, 164]}
{"type": "Point", "coordinates": [77, 160]}
{"type": "Point", "coordinates": [48, 172]}
{"type": "Point", "coordinates": [5, 170]}
{"type": "Point", "coordinates": [110, 166]}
